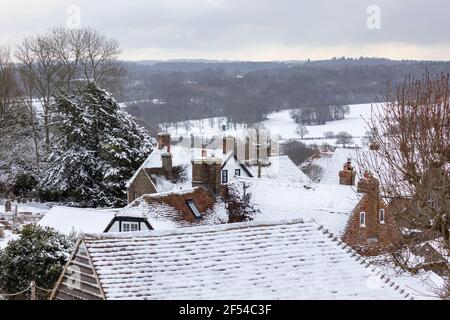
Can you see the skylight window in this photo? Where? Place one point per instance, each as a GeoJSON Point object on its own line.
{"type": "Point", "coordinates": [194, 209]}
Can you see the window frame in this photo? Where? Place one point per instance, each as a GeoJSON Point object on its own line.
{"type": "Point", "coordinates": [362, 219]}
{"type": "Point", "coordinates": [129, 225]}
{"type": "Point", "coordinates": [193, 207]}
{"type": "Point", "coordinates": [382, 214]}
{"type": "Point", "coordinates": [236, 171]}
{"type": "Point", "coordinates": [224, 175]}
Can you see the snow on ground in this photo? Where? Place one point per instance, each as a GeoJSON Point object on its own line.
{"type": "Point", "coordinates": [281, 124]}
{"type": "Point", "coordinates": [32, 207]}
{"type": "Point", "coordinates": [7, 236]}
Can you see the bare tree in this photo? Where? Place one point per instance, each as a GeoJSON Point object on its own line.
{"type": "Point", "coordinates": [328, 135]}
{"type": "Point", "coordinates": [15, 121]}
{"type": "Point", "coordinates": [39, 67]}
{"type": "Point", "coordinates": [344, 138]}
{"type": "Point", "coordinates": [314, 171]}
{"type": "Point", "coordinates": [302, 131]}
{"type": "Point", "coordinates": [98, 59]}
{"type": "Point", "coordinates": [52, 62]}
{"type": "Point", "coordinates": [412, 161]}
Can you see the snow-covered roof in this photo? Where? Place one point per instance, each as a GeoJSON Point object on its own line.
{"type": "Point", "coordinates": [67, 219]}
{"type": "Point", "coordinates": [281, 168]}
{"type": "Point", "coordinates": [329, 205]}
{"type": "Point", "coordinates": [332, 165]}
{"type": "Point", "coordinates": [291, 260]}
{"type": "Point", "coordinates": [168, 210]}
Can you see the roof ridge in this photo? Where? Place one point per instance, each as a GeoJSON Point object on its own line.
{"type": "Point", "coordinates": [200, 229]}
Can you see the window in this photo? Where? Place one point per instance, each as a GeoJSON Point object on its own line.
{"type": "Point", "coordinates": [194, 209]}
{"type": "Point", "coordinates": [362, 219]}
{"type": "Point", "coordinates": [237, 172]}
{"type": "Point", "coordinates": [224, 176]}
{"type": "Point", "coordinates": [130, 226]}
{"type": "Point", "coordinates": [382, 216]}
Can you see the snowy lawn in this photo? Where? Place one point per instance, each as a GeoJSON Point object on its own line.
{"type": "Point", "coordinates": [281, 124]}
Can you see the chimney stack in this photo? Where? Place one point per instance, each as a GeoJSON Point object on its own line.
{"type": "Point", "coordinates": [368, 184]}
{"type": "Point", "coordinates": [228, 144]}
{"type": "Point", "coordinates": [166, 159]}
{"type": "Point", "coordinates": [348, 174]}
{"type": "Point", "coordinates": [206, 172]}
{"type": "Point", "coordinates": [164, 141]}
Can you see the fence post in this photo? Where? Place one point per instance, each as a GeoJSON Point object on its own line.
{"type": "Point", "coordinates": [33, 290]}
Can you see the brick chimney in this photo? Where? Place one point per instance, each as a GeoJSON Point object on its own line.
{"type": "Point", "coordinates": [206, 172]}
{"type": "Point", "coordinates": [228, 144]}
{"type": "Point", "coordinates": [348, 174]}
{"type": "Point", "coordinates": [369, 184]}
{"type": "Point", "coordinates": [164, 141]}
{"type": "Point", "coordinates": [166, 159]}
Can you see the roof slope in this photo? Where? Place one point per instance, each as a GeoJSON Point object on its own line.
{"type": "Point", "coordinates": [294, 260]}
{"type": "Point", "coordinates": [169, 210]}
{"type": "Point", "coordinates": [281, 168]}
{"type": "Point", "coordinates": [66, 219]}
{"type": "Point", "coordinates": [329, 205]}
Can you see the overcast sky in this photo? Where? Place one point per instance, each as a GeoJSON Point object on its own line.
{"type": "Point", "coordinates": [246, 29]}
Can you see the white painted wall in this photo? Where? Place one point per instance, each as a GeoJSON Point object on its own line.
{"type": "Point", "coordinates": [231, 166]}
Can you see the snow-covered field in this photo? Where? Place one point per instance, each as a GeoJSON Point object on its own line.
{"type": "Point", "coordinates": [282, 125]}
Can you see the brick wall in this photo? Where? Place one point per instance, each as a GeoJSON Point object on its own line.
{"type": "Point", "coordinates": [375, 237]}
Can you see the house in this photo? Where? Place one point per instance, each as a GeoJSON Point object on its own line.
{"type": "Point", "coordinates": [362, 219]}
{"type": "Point", "coordinates": [159, 211]}
{"type": "Point", "coordinates": [169, 166]}
{"type": "Point", "coordinates": [177, 209]}
{"type": "Point", "coordinates": [284, 260]}
{"type": "Point", "coordinates": [371, 229]}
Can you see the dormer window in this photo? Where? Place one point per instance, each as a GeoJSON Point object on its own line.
{"type": "Point", "coordinates": [362, 219]}
{"type": "Point", "coordinates": [194, 209]}
{"type": "Point", "coordinates": [130, 226]}
{"type": "Point", "coordinates": [382, 216]}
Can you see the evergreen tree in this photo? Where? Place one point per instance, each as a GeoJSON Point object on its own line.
{"type": "Point", "coordinates": [95, 150]}
{"type": "Point", "coordinates": [38, 255]}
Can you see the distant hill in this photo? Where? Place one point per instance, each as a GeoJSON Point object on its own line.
{"type": "Point", "coordinates": [173, 91]}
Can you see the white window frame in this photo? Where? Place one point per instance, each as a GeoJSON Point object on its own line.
{"type": "Point", "coordinates": [382, 216]}
{"type": "Point", "coordinates": [362, 219]}
{"type": "Point", "coordinates": [130, 226]}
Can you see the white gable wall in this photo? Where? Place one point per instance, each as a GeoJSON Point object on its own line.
{"type": "Point", "coordinates": [231, 166]}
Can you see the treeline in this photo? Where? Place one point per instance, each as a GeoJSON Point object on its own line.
{"type": "Point", "coordinates": [247, 95]}
{"type": "Point", "coordinates": [319, 115]}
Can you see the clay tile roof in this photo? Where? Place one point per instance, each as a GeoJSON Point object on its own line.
{"type": "Point", "coordinates": [289, 260]}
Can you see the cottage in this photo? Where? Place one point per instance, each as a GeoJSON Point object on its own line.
{"type": "Point", "coordinates": [170, 167]}
{"type": "Point", "coordinates": [159, 211]}
{"type": "Point", "coordinates": [371, 229]}
{"type": "Point", "coordinates": [227, 262]}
